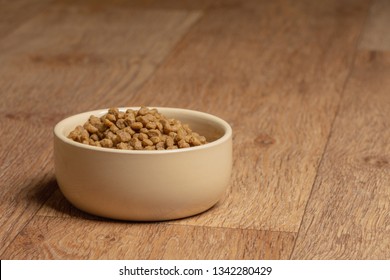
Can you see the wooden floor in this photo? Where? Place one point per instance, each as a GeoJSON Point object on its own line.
{"type": "Point", "coordinates": [304, 84]}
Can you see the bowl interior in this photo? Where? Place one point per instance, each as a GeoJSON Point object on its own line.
{"type": "Point", "coordinates": [204, 124]}
{"type": "Point", "coordinates": [212, 127]}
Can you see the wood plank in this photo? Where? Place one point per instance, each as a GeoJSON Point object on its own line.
{"type": "Point", "coordinates": [58, 206]}
{"type": "Point", "coordinates": [15, 13]}
{"type": "Point", "coordinates": [154, 4]}
{"type": "Point", "coordinates": [348, 214]}
{"type": "Point", "coordinates": [274, 71]}
{"type": "Point", "coordinates": [376, 35]}
{"type": "Point", "coordinates": [77, 59]}
{"type": "Point", "coordinates": [59, 238]}
{"type": "Point", "coordinates": [45, 76]}
{"type": "Point", "coordinates": [26, 173]}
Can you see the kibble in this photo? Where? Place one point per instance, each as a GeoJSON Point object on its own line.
{"type": "Point", "coordinates": [143, 129]}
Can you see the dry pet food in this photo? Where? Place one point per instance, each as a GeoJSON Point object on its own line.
{"type": "Point", "coordinates": [143, 129]}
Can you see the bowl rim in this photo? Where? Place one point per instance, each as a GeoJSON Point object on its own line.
{"type": "Point", "coordinates": [225, 137]}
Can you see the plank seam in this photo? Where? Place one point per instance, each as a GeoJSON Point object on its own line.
{"type": "Point", "coordinates": [342, 93]}
{"type": "Point", "coordinates": [34, 215]}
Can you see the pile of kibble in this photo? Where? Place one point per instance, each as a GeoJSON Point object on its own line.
{"type": "Point", "coordinates": [143, 129]}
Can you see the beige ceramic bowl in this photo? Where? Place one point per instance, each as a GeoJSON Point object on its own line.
{"type": "Point", "coordinates": [145, 185]}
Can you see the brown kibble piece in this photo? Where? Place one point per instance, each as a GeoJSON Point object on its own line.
{"type": "Point", "coordinates": [94, 120]}
{"type": "Point", "coordinates": [112, 136]}
{"type": "Point", "coordinates": [76, 133]}
{"type": "Point", "coordinates": [107, 122]}
{"type": "Point", "coordinates": [143, 136]}
{"type": "Point", "coordinates": [133, 141]}
{"type": "Point", "coordinates": [94, 137]}
{"type": "Point", "coordinates": [155, 139]}
{"type": "Point", "coordinates": [151, 125]}
{"type": "Point", "coordinates": [123, 146]}
{"type": "Point", "coordinates": [187, 128]}
{"type": "Point", "coordinates": [172, 147]}
{"type": "Point", "coordinates": [149, 148]}
{"type": "Point", "coordinates": [123, 136]}
{"type": "Point", "coordinates": [195, 141]}
{"type": "Point", "coordinates": [169, 142]}
{"type": "Point", "coordinates": [147, 142]}
{"type": "Point", "coordinates": [90, 128]}
{"type": "Point", "coordinates": [120, 115]}
{"type": "Point", "coordinates": [154, 132]}
{"type": "Point", "coordinates": [107, 143]}
{"type": "Point", "coordinates": [111, 117]}
{"type": "Point", "coordinates": [138, 146]}
{"type": "Point", "coordinates": [144, 130]}
{"type": "Point", "coordinates": [143, 111]}
{"type": "Point", "coordinates": [142, 119]}
{"type": "Point", "coordinates": [172, 134]}
{"type": "Point", "coordinates": [181, 134]}
{"type": "Point", "coordinates": [136, 125]}
{"type": "Point", "coordinates": [183, 144]}
{"type": "Point", "coordinates": [114, 128]}
{"type": "Point", "coordinates": [160, 126]}
{"type": "Point", "coordinates": [121, 123]}
{"type": "Point", "coordinates": [202, 139]}
{"type": "Point", "coordinates": [128, 130]}
{"type": "Point", "coordinates": [160, 146]}
{"type": "Point", "coordinates": [129, 118]}
{"type": "Point", "coordinates": [113, 111]}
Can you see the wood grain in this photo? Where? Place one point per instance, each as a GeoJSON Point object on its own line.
{"type": "Point", "coordinates": [376, 35]}
{"type": "Point", "coordinates": [187, 5]}
{"type": "Point", "coordinates": [60, 63]}
{"type": "Point", "coordinates": [348, 214]}
{"type": "Point", "coordinates": [232, 64]}
{"type": "Point", "coordinates": [15, 13]}
{"type": "Point", "coordinates": [58, 206]}
{"type": "Point", "coordinates": [62, 58]}
{"type": "Point", "coordinates": [277, 81]}
{"type": "Point", "coordinates": [26, 178]}
{"type": "Point", "coordinates": [303, 83]}
{"type": "Point", "coordinates": [59, 238]}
